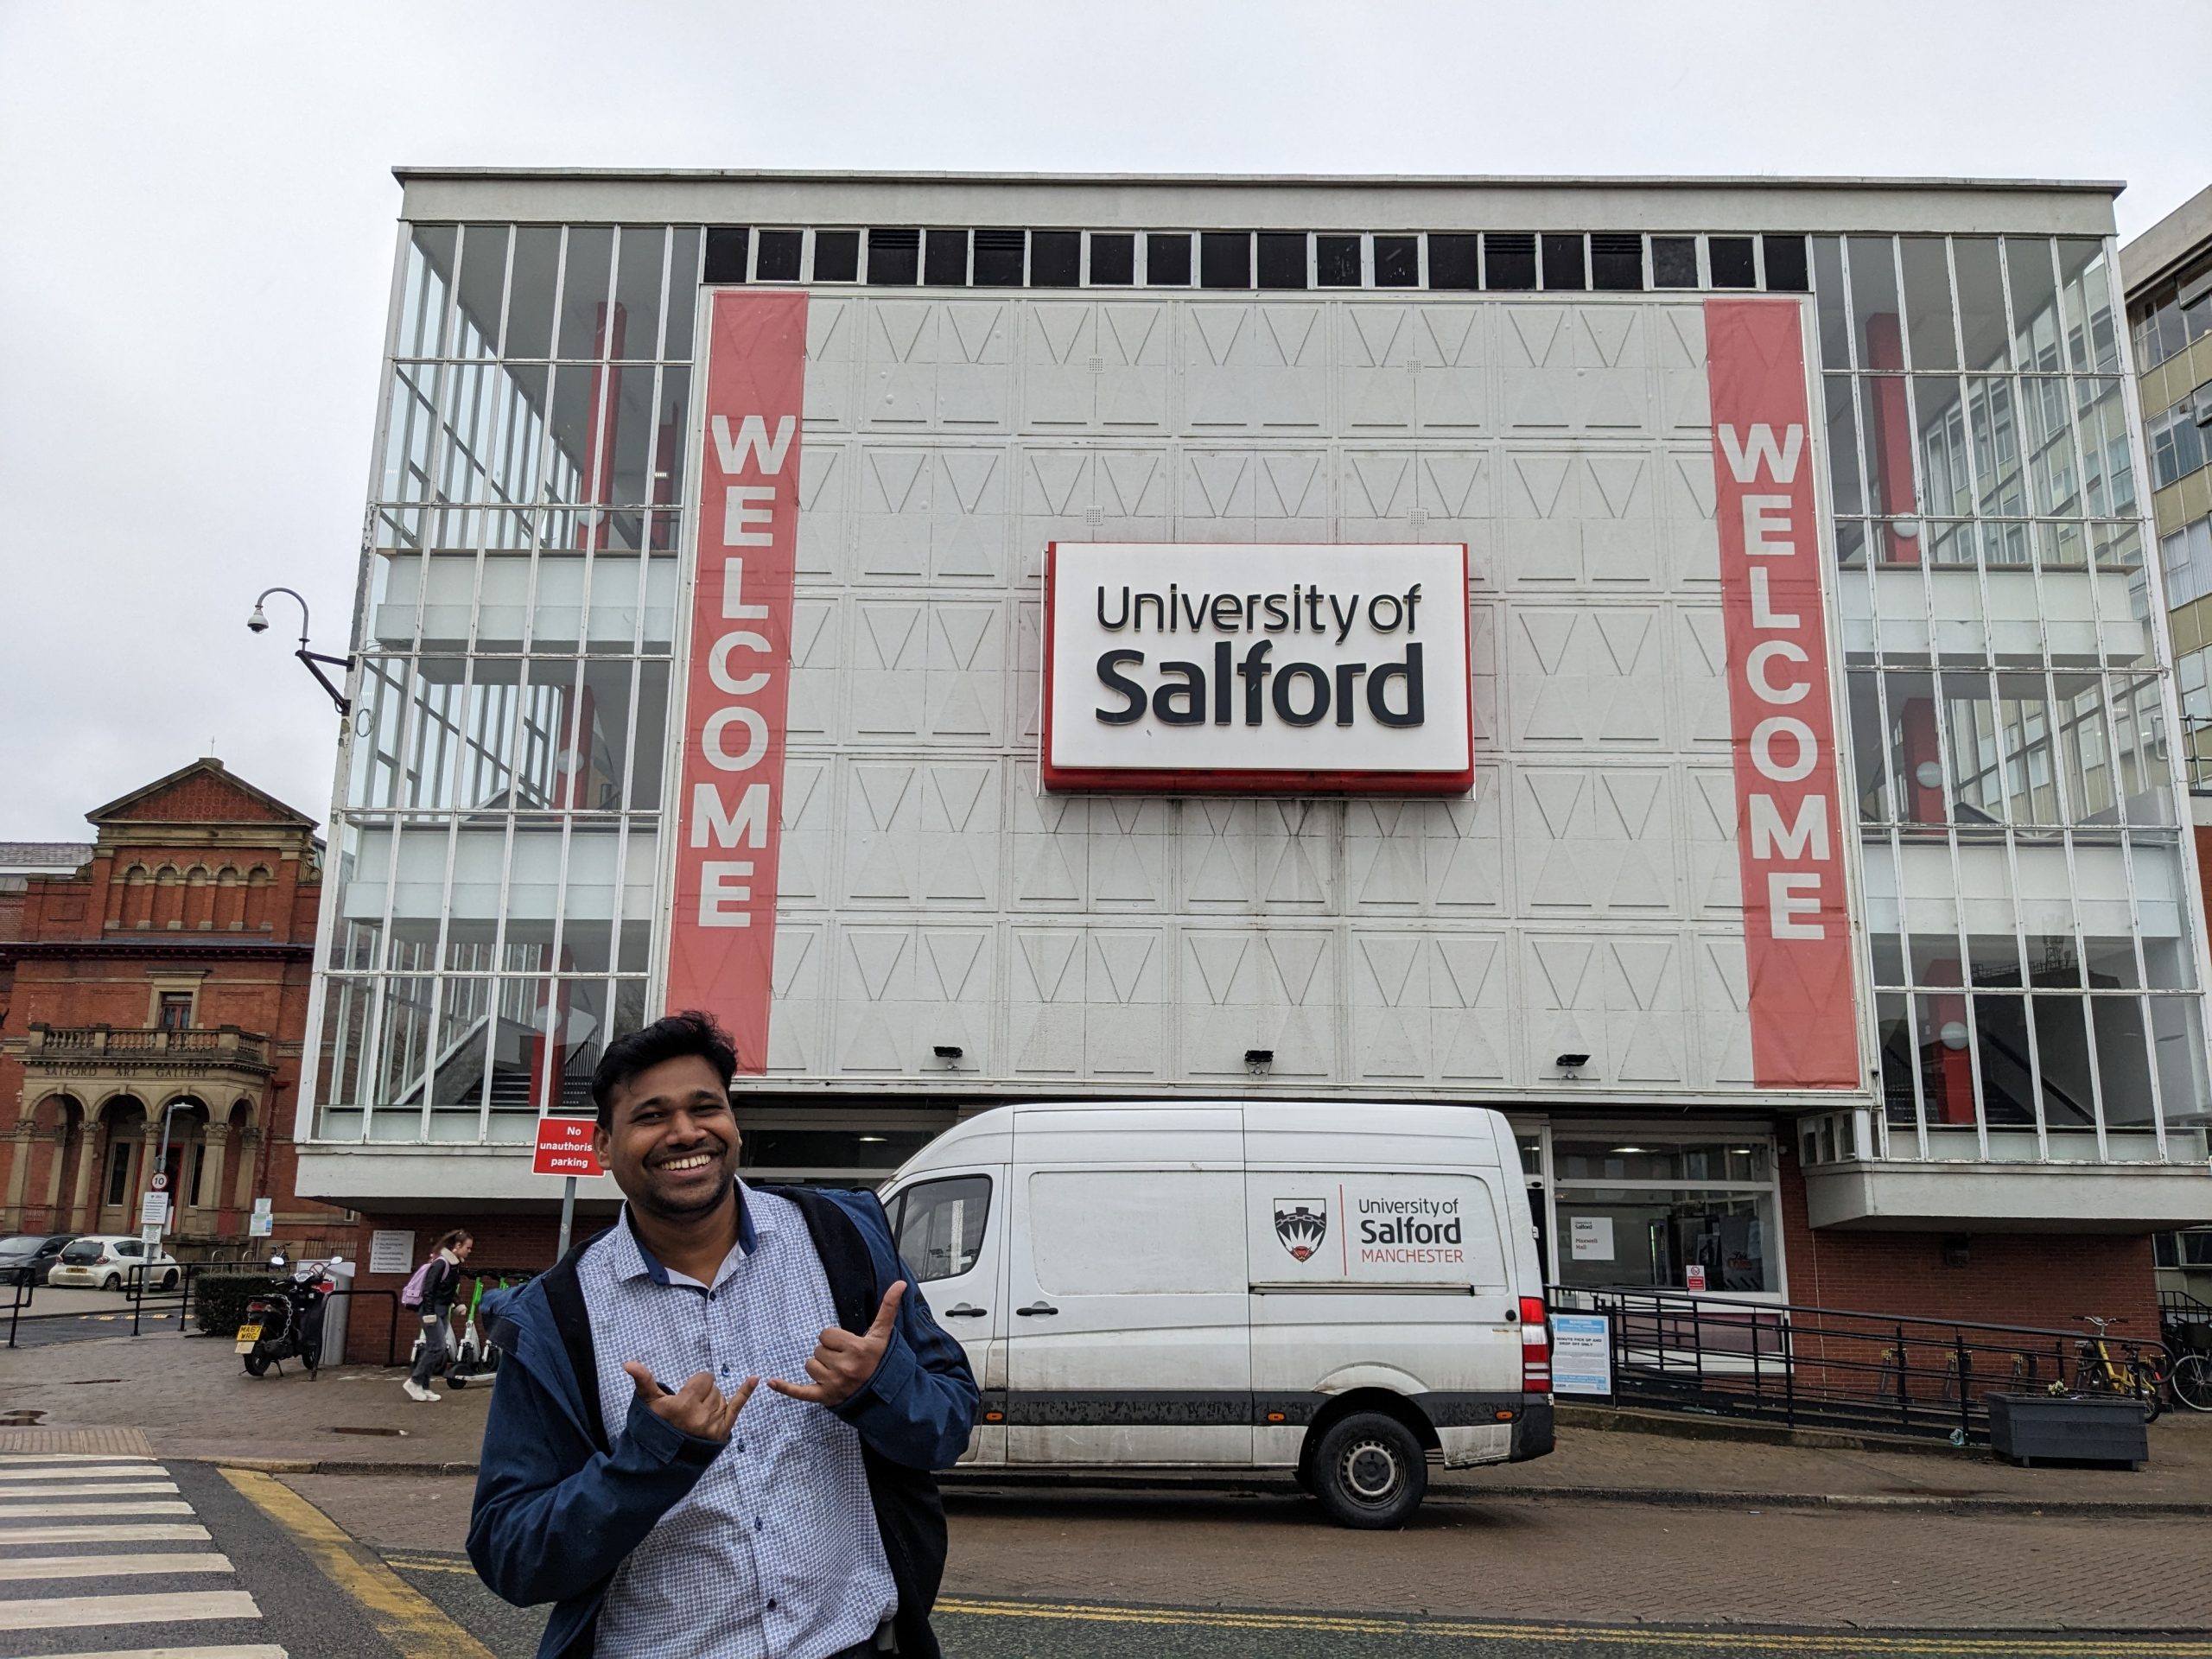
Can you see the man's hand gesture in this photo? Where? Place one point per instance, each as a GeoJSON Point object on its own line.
{"type": "Point", "coordinates": [699, 1408]}
{"type": "Point", "coordinates": [843, 1363]}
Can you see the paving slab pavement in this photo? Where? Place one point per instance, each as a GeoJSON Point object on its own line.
{"type": "Point", "coordinates": [192, 1400]}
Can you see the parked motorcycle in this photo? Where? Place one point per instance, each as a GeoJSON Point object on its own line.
{"type": "Point", "coordinates": [286, 1322]}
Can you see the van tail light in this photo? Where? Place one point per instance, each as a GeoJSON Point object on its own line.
{"type": "Point", "coordinates": [1536, 1347]}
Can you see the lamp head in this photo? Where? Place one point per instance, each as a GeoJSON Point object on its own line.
{"type": "Point", "coordinates": [258, 622]}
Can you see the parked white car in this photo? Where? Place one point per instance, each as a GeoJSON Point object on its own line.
{"type": "Point", "coordinates": [1334, 1289]}
{"type": "Point", "coordinates": [112, 1261]}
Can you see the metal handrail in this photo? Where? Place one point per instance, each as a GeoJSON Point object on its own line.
{"type": "Point", "coordinates": [1798, 1363]}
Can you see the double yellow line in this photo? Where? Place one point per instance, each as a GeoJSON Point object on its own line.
{"type": "Point", "coordinates": [419, 1630]}
{"type": "Point", "coordinates": [1848, 1644]}
{"type": "Point", "coordinates": [403, 1615]}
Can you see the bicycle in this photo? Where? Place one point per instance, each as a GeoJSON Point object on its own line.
{"type": "Point", "coordinates": [2097, 1370]}
{"type": "Point", "coordinates": [2191, 1379]}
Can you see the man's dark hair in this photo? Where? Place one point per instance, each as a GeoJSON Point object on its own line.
{"type": "Point", "coordinates": [671, 1039]}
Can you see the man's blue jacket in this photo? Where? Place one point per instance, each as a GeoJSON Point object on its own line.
{"type": "Point", "coordinates": [559, 1504]}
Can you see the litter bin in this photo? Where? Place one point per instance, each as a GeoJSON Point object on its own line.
{"type": "Point", "coordinates": [337, 1310]}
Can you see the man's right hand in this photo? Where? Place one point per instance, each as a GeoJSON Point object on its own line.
{"type": "Point", "coordinates": [699, 1408]}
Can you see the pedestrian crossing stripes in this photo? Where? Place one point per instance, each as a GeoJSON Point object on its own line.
{"type": "Point", "coordinates": [63, 1612]}
{"type": "Point", "coordinates": [135, 1506]}
{"type": "Point", "coordinates": [24, 1567]}
{"type": "Point", "coordinates": [150, 1532]}
{"type": "Point", "coordinates": [91, 1545]}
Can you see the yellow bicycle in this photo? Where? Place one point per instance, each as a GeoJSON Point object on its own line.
{"type": "Point", "coordinates": [2098, 1369]}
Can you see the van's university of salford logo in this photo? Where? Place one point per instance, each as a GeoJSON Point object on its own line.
{"type": "Point", "coordinates": [1301, 1225]}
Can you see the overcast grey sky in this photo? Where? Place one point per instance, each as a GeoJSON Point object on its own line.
{"type": "Point", "coordinates": [197, 209]}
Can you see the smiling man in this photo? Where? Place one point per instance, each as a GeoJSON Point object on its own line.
{"type": "Point", "coordinates": [633, 1471]}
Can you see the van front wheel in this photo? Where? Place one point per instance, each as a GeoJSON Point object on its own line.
{"type": "Point", "coordinates": [1369, 1473]}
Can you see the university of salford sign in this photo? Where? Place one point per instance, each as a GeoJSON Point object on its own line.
{"type": "Point", "coordinates": [1173, 666]}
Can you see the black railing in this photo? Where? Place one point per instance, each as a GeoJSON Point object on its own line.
{"type": "Point", "coordinates": [1808, 1367]}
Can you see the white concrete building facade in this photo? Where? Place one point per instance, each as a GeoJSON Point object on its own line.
{"type": "Point", "coordinates": [1818, 905]}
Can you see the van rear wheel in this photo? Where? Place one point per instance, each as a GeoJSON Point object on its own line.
{"type": "Point", "coordinates": [1369, 1472]}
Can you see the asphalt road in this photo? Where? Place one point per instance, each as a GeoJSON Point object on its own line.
{"type": "Point", "coordinates": [972, 1628]}
{"type": "Point", "coordinates": [75, 1315]}
{"type": "Point", "coordinates": [112, 1555]}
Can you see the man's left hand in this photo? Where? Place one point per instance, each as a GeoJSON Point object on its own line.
{"type": "Point", "coordinates": [843, 1363]}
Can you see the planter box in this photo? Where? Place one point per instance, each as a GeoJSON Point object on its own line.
{"type": "Point", "coordinates": [2029, 1428]}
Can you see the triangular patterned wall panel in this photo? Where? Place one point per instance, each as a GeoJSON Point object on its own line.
{"type": "Point", "coordinates": [1584, 897]}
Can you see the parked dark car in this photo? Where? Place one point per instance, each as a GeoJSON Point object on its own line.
{"type": "Point", "coordinates": [27, 1258]}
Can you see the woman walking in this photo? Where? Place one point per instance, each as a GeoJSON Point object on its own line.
{"type": "Point", "coordinates": [433, 1289]}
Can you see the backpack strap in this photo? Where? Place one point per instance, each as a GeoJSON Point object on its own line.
{"type": "Point", "coordinates": [564, 1298]}
{"type": "Point", "coordinates": [846, 1262]}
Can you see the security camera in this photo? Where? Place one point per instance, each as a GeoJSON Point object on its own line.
{"type": "Point", "coordinates": [258, 621]}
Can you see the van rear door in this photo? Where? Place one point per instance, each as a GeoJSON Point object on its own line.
{"type": "Point", "coordinates": [1127, 1282]}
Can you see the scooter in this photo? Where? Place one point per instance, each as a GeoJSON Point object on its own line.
{"type": "Point", "coordinates": [478, 1355]}
{"type": "Point", "coordinates": [286, 1323]}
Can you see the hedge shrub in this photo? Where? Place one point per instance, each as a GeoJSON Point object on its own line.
{"type": "Point", "coordinates": [219, 1300]}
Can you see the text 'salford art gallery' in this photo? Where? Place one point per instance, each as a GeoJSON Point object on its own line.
{"type": "Point", "coordinates": [1676, 661]}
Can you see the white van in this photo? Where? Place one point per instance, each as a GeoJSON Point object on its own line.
{"type": "Point", "coordinates": [1336, 1289]}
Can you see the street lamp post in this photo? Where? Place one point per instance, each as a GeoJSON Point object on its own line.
{"type": "Point", "coordinates": [258, 622]}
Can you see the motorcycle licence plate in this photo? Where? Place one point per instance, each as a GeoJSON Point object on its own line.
{"type": "Point", "coordinates": [248, 1335]}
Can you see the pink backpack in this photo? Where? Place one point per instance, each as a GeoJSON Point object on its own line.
{"type": "Point", "coordinates": [411, 1296]}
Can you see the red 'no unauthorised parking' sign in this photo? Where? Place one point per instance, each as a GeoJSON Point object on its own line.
{"type": "Point", "coordinates": [564, 1148]}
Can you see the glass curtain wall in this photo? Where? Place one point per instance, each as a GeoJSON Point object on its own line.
{"type": "Point", "coordinates": [498, 822]}
{"type": "Point", "coordinates": [2033, 948]}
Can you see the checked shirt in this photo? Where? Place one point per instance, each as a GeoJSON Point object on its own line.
{"type": "Point", "coordinates": [775, 1551]}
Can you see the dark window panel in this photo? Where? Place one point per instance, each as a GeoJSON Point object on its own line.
{"type": "Point", "coordinates": [1055, 259]}
{"type": "Point", "coordinates": [1785, 265]}
{"type": "Point", "coordinates": [894, 257]}
{"type": "Point", "coordinates": [1563, 264]}
{"type": "Point", "coordinates": [1674, 262]}
{"type": "Point", "coordinates": [1224, 259]}
{"type": "Point", "coordinates": [480, 288]}
{"type": "Point", "coordinates": [683, 276]}
{"type": "Point", "coordinates": [1282, 259]}
{"type": "Point", "coordinates": [1397, 262]}
{"type": "Point", "coordinates": [1730, 259]}
{"type": "Point", "coordinates": [779, 260]}
{"type": "Point", "coordinates": [1455, 260]}
{"type": "Point", "coordinates": [836, 255]}
{"type": "Point", "coordinates": [726, 248]}
{"type": "Point", "coordinates": [1167, 260]}
{"type": "Point", "coordinates": [586, 270]}
{"type": "Point", "coordinates": [1616, 262]}
{"type": "Point", "coordinates": [640, 251]}
{"type": "Point", "coordinates": [1511, 261]}
{"type": "Point", "coordinates": [998, 259]}
{"type": "Point", "coordinates": [944, 260]}
{"type": "Point", "coordinates": [530, 289]}
{"type": "Point", "coordinates": [1336, 261]}
{"type": "Point", "coordinates": [1113, 259]}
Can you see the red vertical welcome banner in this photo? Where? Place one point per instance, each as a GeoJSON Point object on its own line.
{"type": "Point", "coordinates": [729, 820]}
{"type": "Point", "coordinates": [1789, 826]}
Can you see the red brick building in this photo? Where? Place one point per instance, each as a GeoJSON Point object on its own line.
{"type": "Point", "coordinates": [164, 975]}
